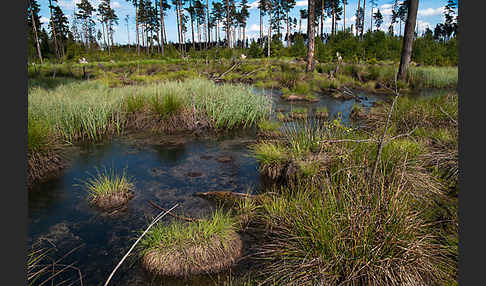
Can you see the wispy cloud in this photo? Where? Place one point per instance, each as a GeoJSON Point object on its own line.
{"type": "Point", "coordinates": [431, 12]}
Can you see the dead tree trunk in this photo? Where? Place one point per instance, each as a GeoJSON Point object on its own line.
{"type": "Point", "coordinates": [310, 36]}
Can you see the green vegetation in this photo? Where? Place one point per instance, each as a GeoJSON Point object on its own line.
{"type": "Point", "coordinates": [180, 249]}
{"type": "Point", "coordinates": [90, 110]}
{"type": "Point", "coordinates": [324, 225]}
{"type": "Point", "coordinates": [108, 189]}
{"type": "Point", "coordinates": [397, 227]}
{"type": "Point", "coordinates": [269, 153]}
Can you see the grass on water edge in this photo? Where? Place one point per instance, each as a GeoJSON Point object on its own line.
{"type": "Point", "coordinates": [90, 110]}
{"type": "Point", "coordinates": [399, 228]}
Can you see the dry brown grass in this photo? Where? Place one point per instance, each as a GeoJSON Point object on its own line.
{"type": "Point", "coordinates": [209, 257]}
{"type": "Point", "coordinates": [43, 165]}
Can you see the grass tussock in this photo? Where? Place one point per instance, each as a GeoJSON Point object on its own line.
{"type": "Point", "coordinates": [351, 231]}
{"type": "Point", "coordinates": [44, 165]}
{"type": "Point", "coordinates": [182, 249]}
{"type": "Point", "coordinates": [109, 189]}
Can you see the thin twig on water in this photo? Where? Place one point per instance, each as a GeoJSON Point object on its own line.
{"type": "Point", "coordinates": [157, 218]}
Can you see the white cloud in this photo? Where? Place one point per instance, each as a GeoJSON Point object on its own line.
{"type": "Point", "coordinates": [386, 6]}
{"type": "Point", "coordinates": [44, 20]}
{"type": "Point", "coordinates": [301, 3]}
{"type": "Point", "coordinates": [422, 25]}
{"type": "Point", "coordinates": [253, 5]}
{"type": "Point", "coordinates": [115, 4]}
{"type": "Point", "coordinates": [254, 28]}
{"type": "Point", "coordinates": [431, 12]}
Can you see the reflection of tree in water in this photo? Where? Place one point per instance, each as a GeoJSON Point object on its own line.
{"type": "Point", "coordinates": [170, 152]}
{"type": "Point", "coordinates": [96, 152]}
{"type": "Point", "coordinates": [45, 195]}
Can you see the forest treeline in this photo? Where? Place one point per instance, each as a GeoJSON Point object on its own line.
{"type": "Point", "coordinates": [216, 29]}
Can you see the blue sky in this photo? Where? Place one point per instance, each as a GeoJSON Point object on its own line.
{"type": "Point", "coordinates": [429, 14]}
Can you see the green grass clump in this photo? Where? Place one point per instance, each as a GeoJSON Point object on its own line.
{"type": "Point", "coordinates": [38, 133]}
{"type": "Point", "coordinates": [270, 153]}
{"type": "Point", "coordinates": [300, 110]}
{"type": "Point", "coordinates": [267, 125]}
{"type": "Point", "coordinates": [322, 109]}
{"type": "Point", "coordinates": [302, 88]}
{"type": "Point", "coordinates": [202, 246]}
{"type": "Point", "coordinates": [352, 231]}
{"type": "Point", "coordinates": [167, 104]}
{"type": "Point", "coordinates": [108, 188]}
{"type": "Point", "coordinates": [134, 103]}
{"type": "Point", "coordinates": [178, 234]}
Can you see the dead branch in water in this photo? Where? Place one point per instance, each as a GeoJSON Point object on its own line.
{"type": "Point", "coordinates": [190, 219]}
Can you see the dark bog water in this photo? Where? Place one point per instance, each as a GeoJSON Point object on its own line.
{"type": "Point", "coordinates": [167, 170]}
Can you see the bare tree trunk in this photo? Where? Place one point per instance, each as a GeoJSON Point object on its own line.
{"type": "Point", "coordinates": [261, 26]}
{"type": "Point", "coordinates": [227, 24]}
{"type": "Point", "coordinates": [244, 35]}
{"type": "Point", "coordinates": [408, 39]}
{"type": "Point", "coordinates": [192, 32]}
{"type": "Point", "coordinates": [322, 18]}
{"type": "Point", "coordinates": [35, 32]}
{"type": "Point", "coordinates": [104, 37]}
{"type": "Point", "coordinates": [300, 25]}
{"type": "Point", "coordinates": [363, 22]}
{"type": "Point", "coordinates": [138, 35]}
{"type": "Point", "coordinates": [208, 29]}
{"type": "Point", "coordinates": [344, 24]}
{"type": "Point", "coordinates": [161, 28]}
{"type": "Point", "coordinates": [288, 31]}
{"type": "Point", "coordinates": [111, 34]}
{"type": "Point", "coordinates": [333, 23]}
{"type": "Point", "coordinates": [359, 5]}
{"type": "Point", "coordinates": [269, 32]}
{"type": "Point", "coordinates": [56, 49]}
{"type": "Point", "coordinates": [310, 35]}
{"type": "Point", "coordinates": [178, 29]}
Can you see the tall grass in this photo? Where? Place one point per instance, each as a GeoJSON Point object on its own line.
{"type": "Point", "coordinates": [353, 232]}
{"type": "Point", "coordinates": [90, 110]}
{"type": "Point", "coordinates": [433, 77]}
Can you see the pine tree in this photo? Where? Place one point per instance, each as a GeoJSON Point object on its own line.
{"type": "Point", "coordinates": [244, 14]}
{"type": "Point", "coordinates": [61, 27]}
{"type": "Point", "coordinates": [33, 24]}
{"type": "Point", "coordinates": [53, 30]}
{"type": "Point", "coordinates": [164, 6]}
{"type": "Point", "coordinates": [85, 14]}
{"type": "Point", "coordinates": [378, 19]}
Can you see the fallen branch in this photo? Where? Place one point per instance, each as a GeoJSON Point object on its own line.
{"type": "Point", "coordinates": [230, 69]}
{"type": "Point", "coordinates": [380, 145]}
{"type": "Point", "coordinates": [171, 214]}
{"type": "Point", "coordinates": [133, 246]}
{"type": "Point", "coordinates": [447, 114]}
